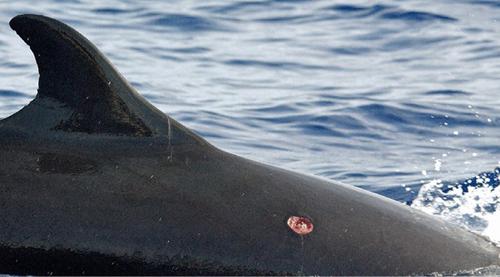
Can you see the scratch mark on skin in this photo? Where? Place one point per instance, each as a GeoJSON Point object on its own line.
{"type": "Point", "coordinates": [169, 136]}
{"type": "Point", "coordinates": [302, 250]}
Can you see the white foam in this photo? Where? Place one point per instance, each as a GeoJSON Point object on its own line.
{"type": "Point", "coordinates": [477, 210]}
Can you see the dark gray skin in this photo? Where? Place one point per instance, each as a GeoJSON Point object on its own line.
{"type": "Point", "coordinates": [95, 180]}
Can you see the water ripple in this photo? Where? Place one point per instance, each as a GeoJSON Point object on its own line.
{"type": "Point", "coordinates": [416, 16]}
{"type": "Point", "coordinates": [447, 92]}
{"type": "Point", "coordinates": [357, 11]}
{"type": "Point", "coordinates": [12, 93]}
{"type": "Point", "coordinates": [186, 23]}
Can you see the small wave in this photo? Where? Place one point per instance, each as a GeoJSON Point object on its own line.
{"type": "Point", "coordinates": [114, 11]}
{"type": "Point", "coordinates": [318, 129]}
{"type": "Point", "coordinates": [249, 6]}
{"type": "Point", "coordinates": [484, 56]}
{"type": "Point", "coordinates": [447, 92]}
{"type": "Point", "coordinates": [388, 13]}
{"type": "Point", "coordinates": [187, 23]}
{"type": "Point", "coordinates": [356, 11]}
{"type": "Point", "coordinates": [409, 117]}
{"type": "Point", "coordinates": [284, 19]}
{"type": "Point", "coordinates": [415, 16]}
{"type": "Point", "coordinates": [12, 93]}
{"type": "Point", "coordinates": [277, 64]}
{"type": "Point", "coordinates": [347, 50]}
{"type": "Point", "coordinates": [340, 121]}
{"type": "Point", "coordinates": [402, 43]}
{"type": "Point", "coordinates": [246, 7]}
{"type": "Point", "coordinates": [280, 108]}
{"type": "Point", "coordinates": [389, 114]}
{"type": "Point", "coordinates": [189, 50]}
{"type": "Point", "coordinates": [14, 65]}
{"type": "Point", "coordinates": [489, 3]}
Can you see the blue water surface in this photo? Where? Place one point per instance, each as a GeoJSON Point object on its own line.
{"type": "Point", "coordinates": [384, 95]}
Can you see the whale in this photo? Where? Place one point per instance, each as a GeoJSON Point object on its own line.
{"type": "Point", "coordinates": [94, 180]}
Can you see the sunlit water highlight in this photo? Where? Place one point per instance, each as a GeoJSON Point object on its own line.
{"type": "Point", "coordinates": [390, 96]}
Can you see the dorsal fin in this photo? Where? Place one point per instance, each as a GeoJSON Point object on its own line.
{"type": "Point", "coordinates": [74, 73]}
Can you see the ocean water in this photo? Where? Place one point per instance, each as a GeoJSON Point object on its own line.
{"type": "Point", "coordinates": [397, 97]}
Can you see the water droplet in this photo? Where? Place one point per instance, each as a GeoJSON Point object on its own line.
{"type": "Point", "coordinates": [437, 165]}
{"type": "Point", "coordinates": [300, 225]}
